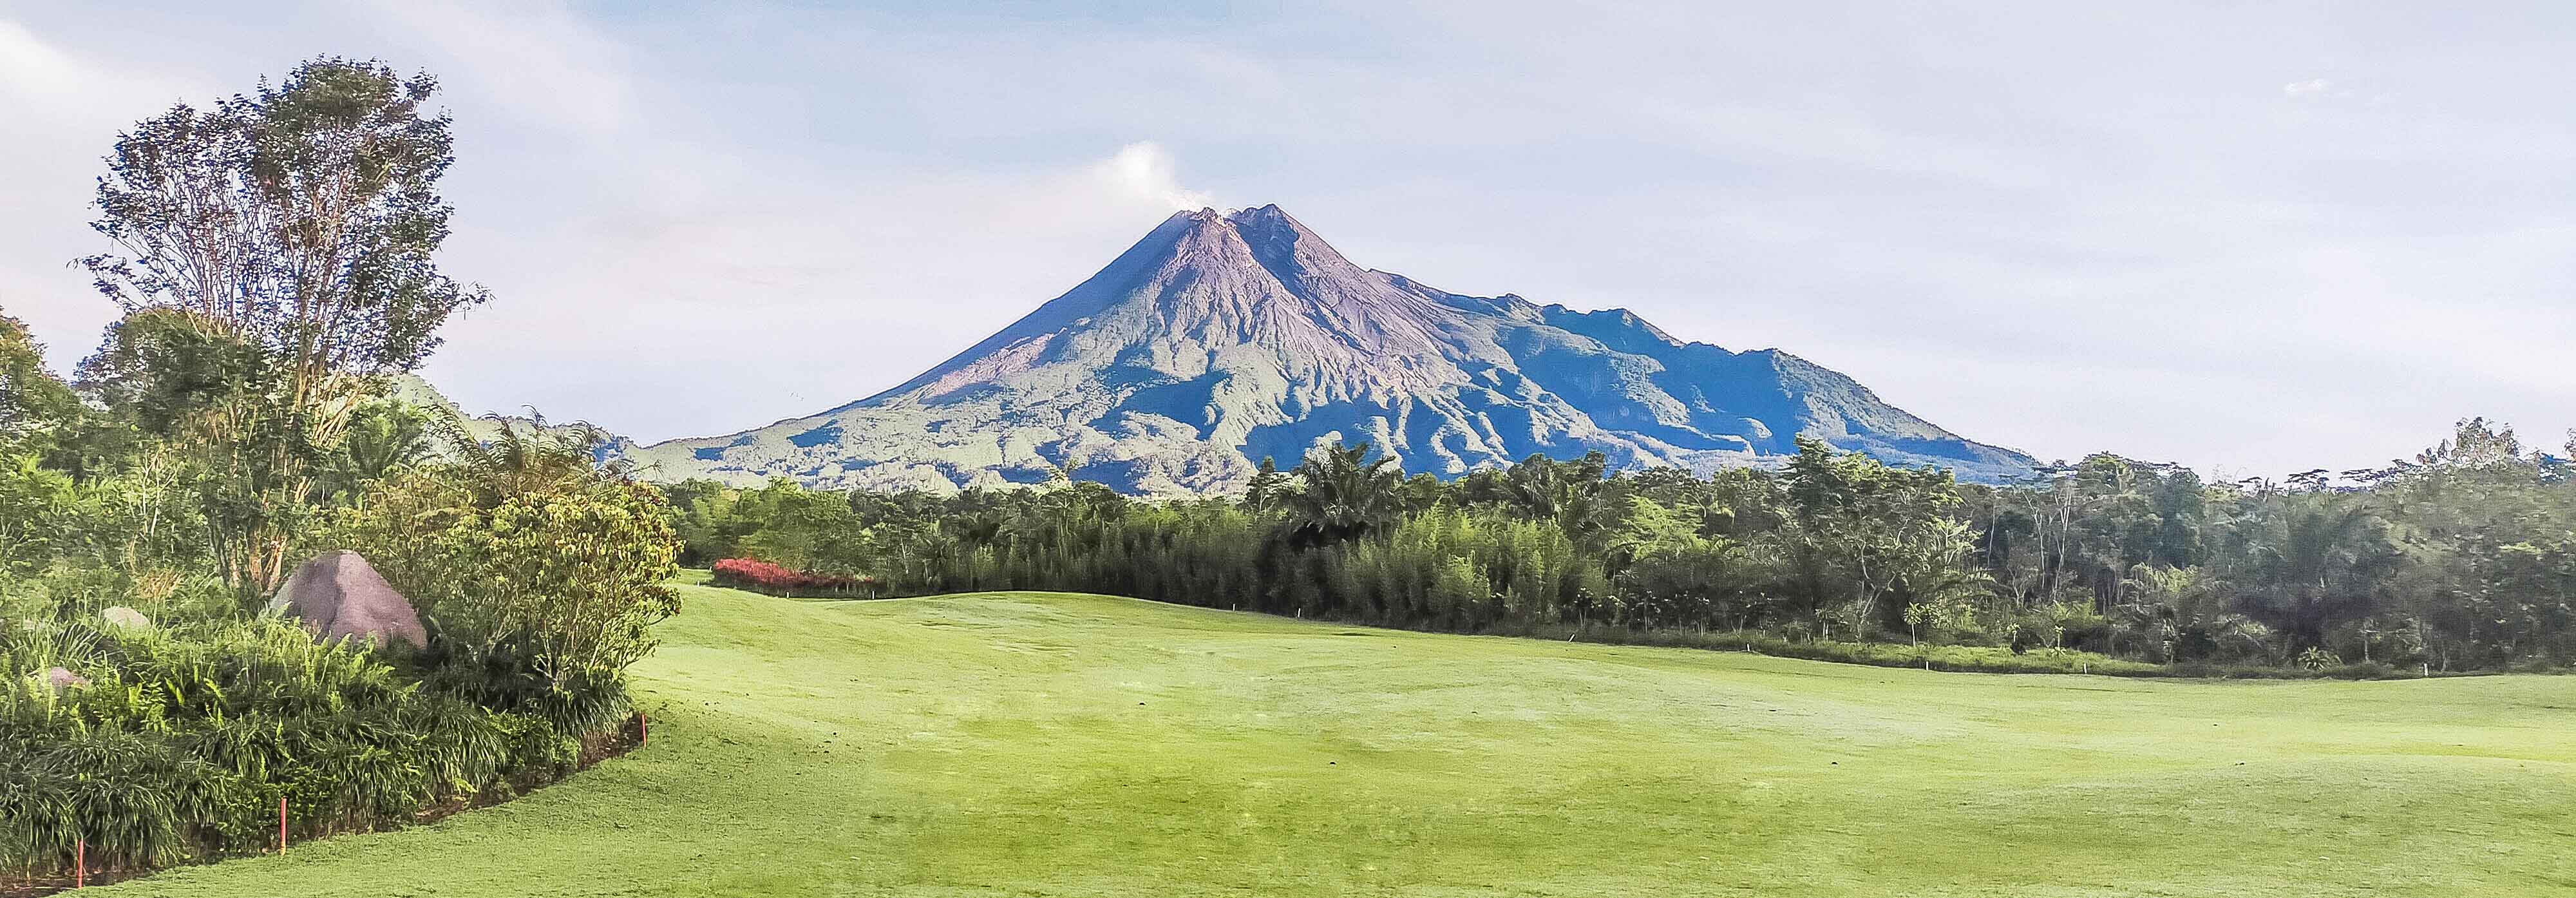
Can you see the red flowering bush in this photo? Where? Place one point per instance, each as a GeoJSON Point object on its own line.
{"type": "Point", "coordinates": [762, 576]}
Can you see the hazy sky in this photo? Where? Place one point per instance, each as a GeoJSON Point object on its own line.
{"type": "Point", "coordinates": [2255, 238]}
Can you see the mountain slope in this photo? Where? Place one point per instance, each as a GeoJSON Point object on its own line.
{"type": "Point", "coordinates": [1220, 339]}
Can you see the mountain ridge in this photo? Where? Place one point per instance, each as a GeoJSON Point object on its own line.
{"type": "Point", "coordinates": [1224, 337]}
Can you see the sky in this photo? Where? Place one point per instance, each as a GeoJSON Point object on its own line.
{"type": "Point", "coordinates": [2255, 238]}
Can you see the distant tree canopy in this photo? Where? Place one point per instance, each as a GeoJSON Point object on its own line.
{"type": "Point", "coordinates": [2464, 558]}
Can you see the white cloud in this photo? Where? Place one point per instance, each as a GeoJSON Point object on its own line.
{"type": "Point", "coordinates": [535, 59]}
{"type": "Point", "coordinates": [39, 78]}
{"type": "Point", "coordinates": [2299, 90]}
{"type": "Point", "coordinates": [1144, 169]}
{"type": "Point", "coordinates": [29, 66]}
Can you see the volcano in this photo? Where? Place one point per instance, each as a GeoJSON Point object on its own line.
{"type": "Point", "coordinates": [1221, 339]}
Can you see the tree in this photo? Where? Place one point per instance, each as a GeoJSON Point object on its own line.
{"type": "Point", "coordinates": [2184, 612]}
{"type": "Point", "coordinates": [1875, 529]}
{"type": "Point", "coordinates": [1667, 567]}
{"type": "Point", "coordinates": [33, 402]}
{"type": "Point", "coordinates": [1342, 493]}
{"type": "Point", "coordinates": [2325, 561]}
{"type": "Point", "coordinates": [2475, 519]}
{"type": "Point", "coordinates": [298, 222]}
{"type": "Point", "coordinates": [1544, 489]}
{"type": "Point", "coordinates": [1266, 488]}
{"type": "Point", "coordinates": [805, 530]}
{"type": "Point", "coordinates": [384, 436]}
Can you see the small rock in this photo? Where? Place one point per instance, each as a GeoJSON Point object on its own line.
{"type": "Point", "coordinates": [128, 618]}
{"type": "Point", "coordinates": [62, 678]}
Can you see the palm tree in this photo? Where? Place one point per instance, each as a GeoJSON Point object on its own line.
{"type": "Point", "coordinates": [530, 457]}
{"type": "Point", "coordinates": [1342, 494]}
{"type": "Point", "coordinates": [1266, 488]}
{"type": "Point", "coordinates": [2186, 610]}
{"type": "Point", "coordinates": [382, 437]}
{"type": "Point", "coordinates": [2319, 571]}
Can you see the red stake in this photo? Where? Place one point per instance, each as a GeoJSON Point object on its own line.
{"type": "Point", "coordinates": [643, 729]}
{"type": "Point", "coordinates": [281, 824]}
{"type": "Point", "coordinates": [80, 863]}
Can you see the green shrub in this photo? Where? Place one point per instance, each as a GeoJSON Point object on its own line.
{"type": "Point", "coordinates": [185, 738]}
{"type": "Point", "coordinates": [539, 574]}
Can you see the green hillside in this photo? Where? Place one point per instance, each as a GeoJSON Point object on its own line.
{"type": "Point", "coordinates": [1040, 744]}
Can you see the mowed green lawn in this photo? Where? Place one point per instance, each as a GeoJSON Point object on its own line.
{"type": "Point", "coordinates": [1043, 744]}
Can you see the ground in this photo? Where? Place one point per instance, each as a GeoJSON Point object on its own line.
{"type": "Point", "coordinates": [1046, 744]}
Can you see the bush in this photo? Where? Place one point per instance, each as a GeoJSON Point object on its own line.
{"type": "Point", "coordinates": [185, 739]}
{"type": "Point", "coordinates": [761, 576]}
{"type": "Point", "coordinates": [1986, 659]}
{"type": "Point", "coordinates": [538, 574]}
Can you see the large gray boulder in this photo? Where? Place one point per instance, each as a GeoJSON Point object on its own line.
{"type": "Point", "coordinates": [339, 595]}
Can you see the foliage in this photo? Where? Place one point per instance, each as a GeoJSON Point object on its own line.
{"type": "Point", "coordinates": [176, 739]}
{"type": "Point", "coordinates": [2440, 562]}
{"type": "Point", "coordinates": [1342, 493]}
{"type": "Point", "coordinates": [542, 572]}
{"type": "Point", "coordinates": [274, 257]}
{"type": "Point", "coordinates": [2464, 559]}
{"type": "Point", "coordinates": [276, 266]}
{"type": "Point", "coordinates": [35, 406]}
{"type": "Point", "coordinates": [762, 576]}
{"type": "Point", "coordinates": [384, 437]}
{"type": "Point", "coordinates": [184, 739]}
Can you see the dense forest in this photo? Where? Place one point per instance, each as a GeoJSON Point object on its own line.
{"type": "Point", "coordinates": [2460, 559]}
{"type": "Point", "coordinates": [272, 256]}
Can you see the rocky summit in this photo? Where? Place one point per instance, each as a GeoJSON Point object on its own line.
{"type": "Point", "coordinates": [1224, 338]}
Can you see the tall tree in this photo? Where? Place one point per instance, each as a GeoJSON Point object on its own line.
{"type": "Point", "coordinates": [1343, 493]}
{"type": "Point", "coordinates": [1266, 487]}
{"type": "Point", "coordinates": [299, 221]}
{"type": "Point", "coordinates": [1877, 530]}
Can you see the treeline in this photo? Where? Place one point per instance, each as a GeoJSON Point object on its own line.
{"type": "Point", "coordinates": [2461, 559]}
{"type": "Point", "coordinates": [274, 270]}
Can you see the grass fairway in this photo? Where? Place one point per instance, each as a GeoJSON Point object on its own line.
{"type": "Point", "coordinates": [1042, 744]}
